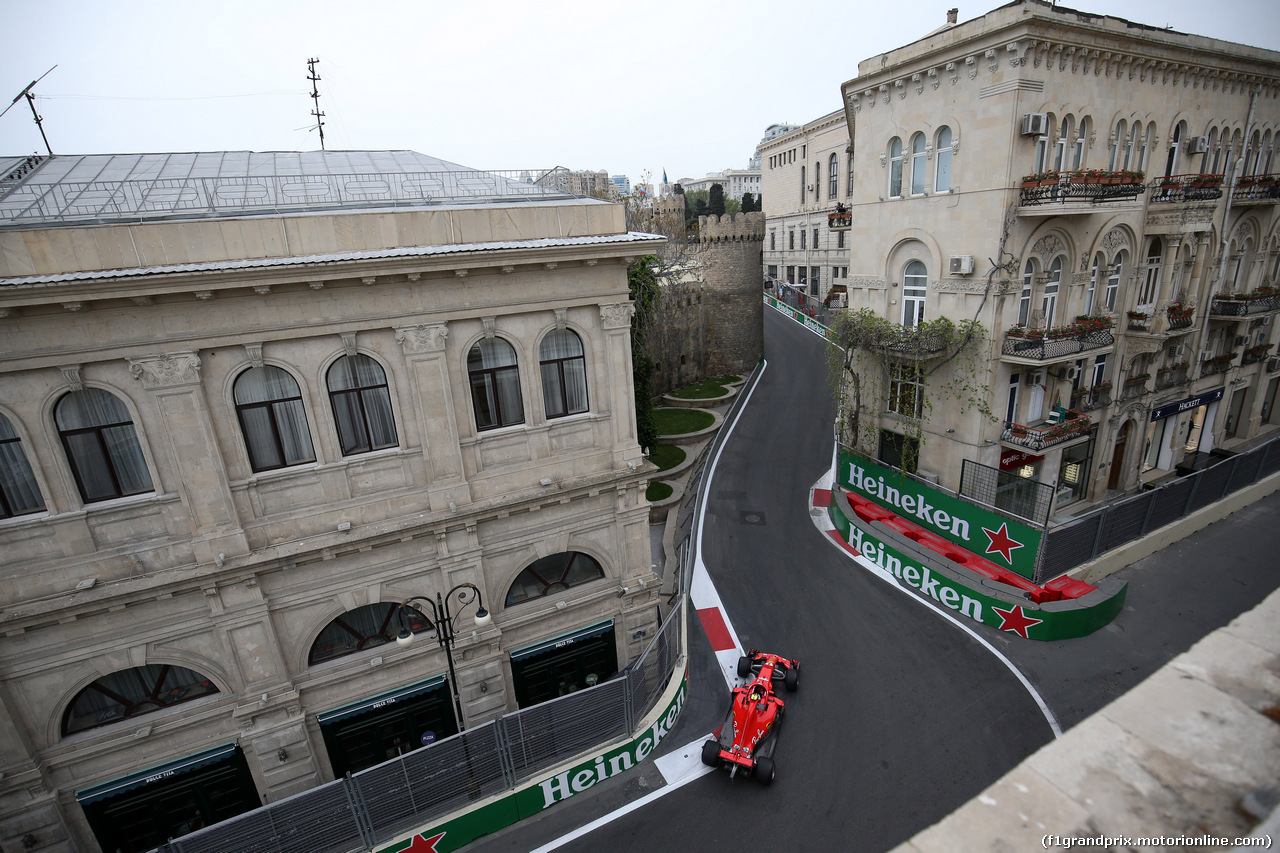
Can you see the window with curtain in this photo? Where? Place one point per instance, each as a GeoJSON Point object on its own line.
{"type": "Point", "coordinates": [915, 281]}
{"type": "Point", "coordinates": [365, 628]}
{"type": "Point", "coordinates": [942, 170]}
{"type": "Point", "coordinates": [564, 374]}
{"type": "Point", "coordinates": [1024, 301]}
{"type": "Point", "coordinates": [1117, 146]}
{"type": "Point", "coordinates": [895, 168]}
{"type": "Point", "coordinates": [1113, 279]}
{"type": "Point", "coordinates": [1060, 161]}
{"type": "Point", "coordinates": [132, 693]}
{"type": "Point", "coordinates": [1099, 265]}
{"type": "Point", "coordinates": [1151, 281]}
{"type": "Point", "coordinates": [1049, 299]}
{"type": "Point", "coordinates": [919, 164]}
{"type": "Point", "coordinates": [19, 493]}
{"type": "Point", "coordinates": [495, 384]}
{"type": "Point", "coordinates": [833, 179]}
{"type": "Point", "coordinates": [272, 418]}
{"type": "Point", "coordinates": [361, 404]}
{"type": "Point", "coordinates": [553, 574]}
{"type": "Point", "coordinates": [102, 446]}
{"type": "Point", "coordinates": [1077, 158]}
{"type": "Point", "coordinates": [1175, 144]}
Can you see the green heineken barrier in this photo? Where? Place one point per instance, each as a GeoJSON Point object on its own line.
{"type": "Point", "coordinates": [976, 599]}
{"type": "Point", "coordinates": [1007, 543]}
{"type": "Point", "coordinates": [532, 799]}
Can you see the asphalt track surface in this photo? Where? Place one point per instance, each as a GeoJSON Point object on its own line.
{"type": "Point", "coordinates": [901, 716]}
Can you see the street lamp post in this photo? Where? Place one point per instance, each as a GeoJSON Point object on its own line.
{"type": "Point", "coordinates": [441, 621]}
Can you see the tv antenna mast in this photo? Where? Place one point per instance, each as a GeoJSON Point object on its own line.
{"type": "Point", "coordinates": [315, 96]}
{"type": "Point", "coordinates": [31, 101]}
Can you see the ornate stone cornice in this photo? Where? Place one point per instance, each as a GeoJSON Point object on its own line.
{"type": "Point", "coordinates": [616, 315]}
{"type": "Point", "coordinates": [870, 281]}
{"type": "Point", "coordinates": [415, 339]}
{"type": "Point", "coordinates": [168, 370]}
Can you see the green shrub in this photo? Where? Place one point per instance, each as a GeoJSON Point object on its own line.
{"type": "Point", "coordinates": [666, 456]}
{"type": "Point", "coordinates": [658, 491]}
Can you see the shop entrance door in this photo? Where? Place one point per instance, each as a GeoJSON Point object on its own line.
{"type": "Point", "coordinates": [1117, 457]}
{"type": "Point", "coordinates": [382, 728]}
{"type": "Point", "coordinates": [564, 666]}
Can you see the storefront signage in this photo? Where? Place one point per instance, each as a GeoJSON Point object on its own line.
{"type": "Point", "coordinates": [154, 774]}
{"type": "Point", "coordinates": [563, 640]}
{"type": "Point", "coordinates": [1186, 405]}
{"type": "Point", "coordinates": [984, 532]}
{"type": "Point", "coordinates": [1012, 460]}
{"type": "Point", "coordinates": [1024, 619]}
{"type": "Point", "coordinates": [382, 700]}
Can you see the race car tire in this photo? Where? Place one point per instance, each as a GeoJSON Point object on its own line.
{"type": "Point", "coordinates": [711, 753]}
{"type": "Point", "coordinates": [792, 678]}
{"type": "Point", "coordinates": [744, 666]}
{"type": "Point", "coordinates": [763, 771]}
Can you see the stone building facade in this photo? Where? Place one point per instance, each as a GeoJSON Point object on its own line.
{"type": "Point", "coordinates": [805, 175]}
{"type": "Point", "coordinates": [1012, 140]}
{"type": "Point", "coordinates": [249, 406]}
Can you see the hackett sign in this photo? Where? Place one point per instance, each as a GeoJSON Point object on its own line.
{"type": "Point", "coordinates": [980, 531]}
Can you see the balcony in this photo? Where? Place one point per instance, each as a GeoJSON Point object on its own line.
{"type": "Point", "coordinates": [1041, 346]}
{"type": "Point", "coordinates": [1257, 189]}
{"type": "Point", "coordinates": [1253, 355]}
{"type": "Point", "coordinates": [1168, 377]}
{"type": "Point", "coordinates": [1081, 190]}
{"type": "Point", "coordinates": [840, 220]}
{"type": "Point", "coordinates": [1181, 189]}
{"type": "Point", "coordinates": [1180, 316]}
{"type": "Point", "coordinates": [1134, 387]}
{"type": "Point", "coordinates": [1073, 425]}
{"type": "Point", "coordinates": [1261, 301]}
{"type": "Point", "coordinates": [1091, 399]}
{"type": "Point", "coordinates": [1217, 364]}
{"type": "Point", "coordinates": [1139, 321]}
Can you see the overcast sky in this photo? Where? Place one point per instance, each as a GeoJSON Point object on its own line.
{"type": "Point", "coordinates": [683, 85]}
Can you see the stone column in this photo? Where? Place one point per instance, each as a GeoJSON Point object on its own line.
{"type": "Point", "coordinates": [424, 351]}
{"type": "Point", "coordinates": [615, 319]}
{"type": "Point", "coordinates": [173, 382]}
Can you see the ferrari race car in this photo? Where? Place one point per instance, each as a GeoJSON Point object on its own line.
{"type": "Point", "coordinates": [749, 736]}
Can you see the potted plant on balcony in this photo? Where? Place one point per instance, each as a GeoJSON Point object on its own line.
{"type": "Point", "coordinates": [1180, 311]}
{"type": "Point", "coordinates": [1137, 379]}
{"type": "Point", "coordinates": [1220, 361]}
{"type": "Point", "coordinates": [1132, 176]}
{"type": "Point", "coordinates": [1049, 178]}
{"type": "Point", "coordinates": [1034, 334]}
{"type": "Point", "coordinates": [1138, 315]}
{"type": "Point", "coordinates": [1016, 331]}
{"type": "Point", "coordinates": [1101, 388]}
{"type": "Point", "coordinates": [1206, 181]}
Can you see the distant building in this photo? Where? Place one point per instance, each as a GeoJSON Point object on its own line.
{"type": "Point", "coordinates": [623, 183]}
{"type": "Point", "coordinates": [250, 405]}
{"type": "Point", "coordinates": [579, 183]}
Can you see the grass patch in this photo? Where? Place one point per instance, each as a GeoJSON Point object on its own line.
{"type": "Point", "coordinates": [681, 421]}
{"type": "Point", "coordinates": [658, 491]}
{"type": "Point", "coordinates": [703, 390]}
{"type": "Point", "coordinates": [666, 456]}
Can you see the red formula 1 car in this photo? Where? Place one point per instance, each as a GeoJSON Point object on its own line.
{"type": "Point", "coordinates": [750, 734]}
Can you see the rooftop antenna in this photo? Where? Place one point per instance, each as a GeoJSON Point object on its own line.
{"type": "Point", "coordinates": [31, 101]}
{"type": "Point", "coordinates": [315, 96]}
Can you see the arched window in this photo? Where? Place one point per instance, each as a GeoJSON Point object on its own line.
{"type": "Point", "coordinates": [1049, 302]}
{"type": "Point", "coordinates": [1267, 153]}
{"type": "Point", "coordinates": [495, 384]}
{"type": "Point", "coordinates": [1253, 154]}
{"type": "Point", "coordinates": [1216, 143]}
{"type": "Point", "coordinates": [553, 574]}
{"type": "Point", "coordinates": [915, 282]}
{"type": "Point", "coordinates": [1118, 146]}
{"type": "Point", "coordinates": [1133, 157]}
{"type": "Point", "coordinates": [132, 693]}
{"type": "Point", "coordinates": [1144, 146]}
{"type": "Point", "coordinates": [1151, 281]}
{"type": "Point", "coordinates": [1113, 278]}
{"type": "Point", "coordinates": [274, 423]}
{"type": "Point", "coordinates": [1082, 138]}
{"type": "Point", "coordinates": [1042, 145]}
{"type": "Point", "coordinates": [942, 171]}
{"type": "Point", "coordinates": [895, 168]}
{"type": "Point", "coordinates": [564, 374]}
{"type": "Point", "coordinates": [1024, 301]}
{"type": "Point", "coordinates": [1175, 145]}
{"type": "Point", "coordinates": [919, 166]}
{"type": "Point", "coordinates": [361, 404]}
{"type": "Point", "coordinates": [102, 445]}
{"type": "Point", "coordinates": [19, 492]}
{"type": "Point", "coordinates": [833, 179]}
{"type": "Point", "coordinates": [364, 628]}
{"type": "Point", "coordinates": [1229, 153]}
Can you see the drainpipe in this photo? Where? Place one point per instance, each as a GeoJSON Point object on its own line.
{"type": "Point", "coordinates": [1230, 181]}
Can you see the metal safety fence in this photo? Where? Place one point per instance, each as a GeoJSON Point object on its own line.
{"type": "Point", "coordinates": [1089, 536]}
{"type": "Point", "coordinates": [369, 808]}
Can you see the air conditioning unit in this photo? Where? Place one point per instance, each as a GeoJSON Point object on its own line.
{"type": "Point", "coordinates": [1241, 340]}
{"type": "Point", "coordinates": [1035, 124]}
{"type": "Point", "coordinates": [1178, 353]}
{"type": "Point", "coordinates": [1035, 377]}
{"type": "Point", "coordinates": [1197, 145]}
{"type": "Point", "coordinates": [1069, 373]}
{"type": "Point", "coordinates": [1273, 364]}
{"type": "Point", "coordinates": [1206, 354]}
{"type": "Point", "coordinates": [960, 265]}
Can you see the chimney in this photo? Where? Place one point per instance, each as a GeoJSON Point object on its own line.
{"type": "Point", "coordinates": [952, 14]}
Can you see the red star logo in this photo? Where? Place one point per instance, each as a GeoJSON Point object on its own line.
{"type": "Point", "coordinates": [1001, 542]}
{"type": "Point", "coordinates": [1016, 621]}
{"type": "Point", "coordinates": [422, 844]}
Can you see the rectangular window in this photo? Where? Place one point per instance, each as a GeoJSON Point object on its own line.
{"type": "Point", "coordinates": [1011, 409]}
{"type": "Point", "coordinates": [802, 190]}
{"type": "Point", "coordinates": [815, 238]}
{"type": "Point", "coordinates": [791, 275]}
{"type": "Point", "coordinates": [773, 271]}
{"type": "Point", "coordinates": [839, 239]}
{"type": "Point", "coordinates": [815, 277]}
{"type": "Point", "coordinates": [849, 193]}
{"type": "Point", "coordinates": [1099, 370]}
{"type": "Point", "coordinates": [804, 233]}
{"type": "Point", "coordinates": [804, 274]}
{"type": "Point", "coordinates": [791, 239]}
{"type": "Point", "coordinates": [773, 242]}
{"type": "Point", "coordinates": [1269, 400]}
{"type": "Point", "coordinates": [906, 392]}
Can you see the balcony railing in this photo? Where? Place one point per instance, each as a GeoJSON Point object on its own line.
{"type": "Point", "coordinates": [1091, 399]}
{"type": "Point", "coordinates": [1139, 322]}
{"type": "Point", "coordinates": [1056, 343]}
{"type": "Point", "coordinates": [1255, 354]}
{"type": "Point", "coordinates": [1177, 189]}
{"type": "Point", "coordinates": [1134, 386]}
{"type": "Point", "coordinates": [1074, 425]}
{"type": "Point", "coordinates": [1257, 188]}
{"type": "Point", "coordinates": [840, 220]}
{"type": "Point", "coordinates": [1167, 377]}
{"type": "Point", "coordinates": [1245, 304]}
{"type": "Point", "coordinates": [1217, 364]}
{"type": "Point", "coordinates": [1180, 317]}
{"type": "Point", "coordinates": [1085, 185]}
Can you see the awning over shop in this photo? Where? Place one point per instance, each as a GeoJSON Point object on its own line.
{"type": "Point", "coordinates": [563, 640]}
{"type": "Point", "coordinates": [154, 774]}
{"type": "Point", "coordinates": [381, 700]}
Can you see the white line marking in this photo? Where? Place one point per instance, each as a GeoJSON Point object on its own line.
{"type": "Point", "coordinates": [823, 523]}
